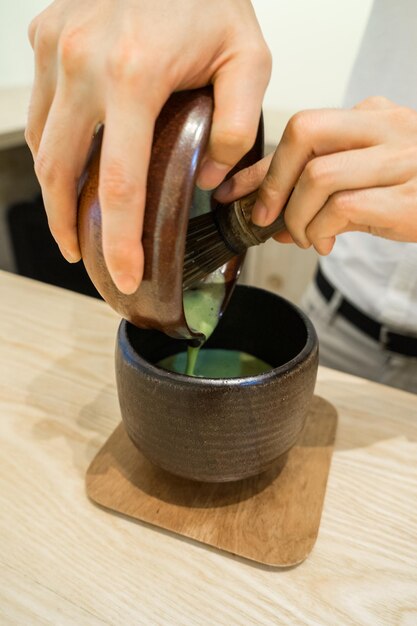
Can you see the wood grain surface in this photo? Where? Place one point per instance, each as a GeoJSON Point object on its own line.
{"type": "Point", "coordinates": [272, 518]}
{"type": "Point", "coordinates": [66, 561]}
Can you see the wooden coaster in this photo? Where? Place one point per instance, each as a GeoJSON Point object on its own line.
{"type": "Point", "coordinates": [273, 518]}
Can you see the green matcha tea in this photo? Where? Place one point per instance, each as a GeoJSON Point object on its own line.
{"type": "Point", "coordinates": [202, 305]}
{"type": "Point", "coordinates": [202, 309]}
{"type": "Point", "coordinates": [217, 363]}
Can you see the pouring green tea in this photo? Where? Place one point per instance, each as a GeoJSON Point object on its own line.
{"type": "Point", "coordinates": [202, 311]}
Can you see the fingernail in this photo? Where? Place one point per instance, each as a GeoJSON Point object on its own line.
{"type": "Point", "coordinates": [211, 174]}
{"type": "Point", "coordinates": [260, 214]}
{"type": "Point", "coordinates": [126, 283]}
{"type": "Point", "coordinates": [70, 256]}
{"type": "Point", "coordinates": [325, 245]}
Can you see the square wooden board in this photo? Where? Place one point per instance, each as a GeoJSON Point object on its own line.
{"type": "Point", "coordinates": [273, 518]}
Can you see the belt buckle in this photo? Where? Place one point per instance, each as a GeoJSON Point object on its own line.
{"type": "Point", "coordinates": [384, 337]}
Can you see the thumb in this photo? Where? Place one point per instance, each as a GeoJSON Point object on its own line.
{"type": "Point", "coordinates": [243, 182]}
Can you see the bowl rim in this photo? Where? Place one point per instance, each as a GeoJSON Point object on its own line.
{"type": "Point", "coordinates": [125, 347]}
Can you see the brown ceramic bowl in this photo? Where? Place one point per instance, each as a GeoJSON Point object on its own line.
{"type": "Point", "coordinates": [218, 430]}
{"type": "Point", "coordinates": [180, 139]}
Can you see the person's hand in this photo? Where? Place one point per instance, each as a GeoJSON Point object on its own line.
{"type": "Point", "coordinates": [117, 63]}
{"type": "Point", "coordinates": [346, 170]}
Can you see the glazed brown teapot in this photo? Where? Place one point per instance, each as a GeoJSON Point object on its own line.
{"type": "Point", "coordinates": [180, 139]}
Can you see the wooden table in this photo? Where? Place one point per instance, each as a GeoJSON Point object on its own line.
{"type": "Point", "coordinates": [66, 561]}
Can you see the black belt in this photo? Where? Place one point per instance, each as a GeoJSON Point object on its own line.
{"type": "Point", "coordinates": [394, 342]}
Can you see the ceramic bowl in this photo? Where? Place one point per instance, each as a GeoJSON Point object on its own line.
{"type": "Point", "coordinates": [180, 139]}
{"type": "Point", "coordinates": [218, 430]}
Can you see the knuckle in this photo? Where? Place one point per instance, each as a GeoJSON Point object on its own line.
{"type": "Point", "coordinates": [259, 58]}
{"type": "Point", "coordinates": [32, 138]}
{"type": "Point", "coordinates": [317, 173]}
{"type": "Point", "coordinates": [73, 50]}
{"type": "Point", "coordinates": [265, 59]}
{"type": "Point", "coordinates": [231, 144]}
{"type": "Point", "coordinates": [45, 37]}
{"type": "Point", "coordinates": [271, 184]}
{"type": "Point", "coordinates": [32, 28]}
{"type": "Point", "coordinates": [251, 177]}
{"type": "Point", "coordinates": [342, 204]}
{"type": "Point", "coordinates": [298, 127]}
{"type": "Point", "coordinates": [47, 170]}
{"type": "Point", "coordinates": [116, 187]}
{"type": "Point", "coordinates": [43, 168]}
{"type": "Point", "coordinates": [126, 63]}
{"type": "Point", "coordinates": [404, 118]}
{"type": "Point", "coordinates": [374, 102]}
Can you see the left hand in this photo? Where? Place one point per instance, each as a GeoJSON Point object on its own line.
{"type": "Point", "coordinates": [348, 170]}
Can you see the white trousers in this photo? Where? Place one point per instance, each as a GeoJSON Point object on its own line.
{"type": "Point", "coordinates": [344, 347]}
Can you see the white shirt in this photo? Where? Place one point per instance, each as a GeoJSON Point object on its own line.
{"type": "Point", "coordinates": [380, 276]}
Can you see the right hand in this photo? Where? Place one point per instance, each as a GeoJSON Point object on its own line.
{"type": "Point", "coordinates": [338, 171]}
{"type": "Point", "coordinates": [117, 63]}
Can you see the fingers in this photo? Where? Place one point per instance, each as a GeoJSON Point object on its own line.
{"type": "Point", "coordinates": [59, 163]}
{"type": "Point", "coordinates": [383, 211]}
{"type": "Point", "coordinates": [309, 134]}
{"type": "Point", "coordinates": [123, 172]}
{"type": "Point", "coordinates": [326, 175]}
{"type": "Point", "coordinates": [351, 211]}
{"type": "Point", "coordinates": [59, 146]}
{"type": "Point", "coordinates": [323, 169]}
{"type": "Point", "coordinates": [44, 40]}
{"type": "Point", "coordinates": [239, 88]}
{"type": "Point", "coordinates": [243, 182]}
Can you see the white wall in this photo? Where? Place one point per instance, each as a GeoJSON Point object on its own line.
{"type": "Point", "coordinates": [16, 62]}
{"type": "Point", "coordinates": [313, 43]}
